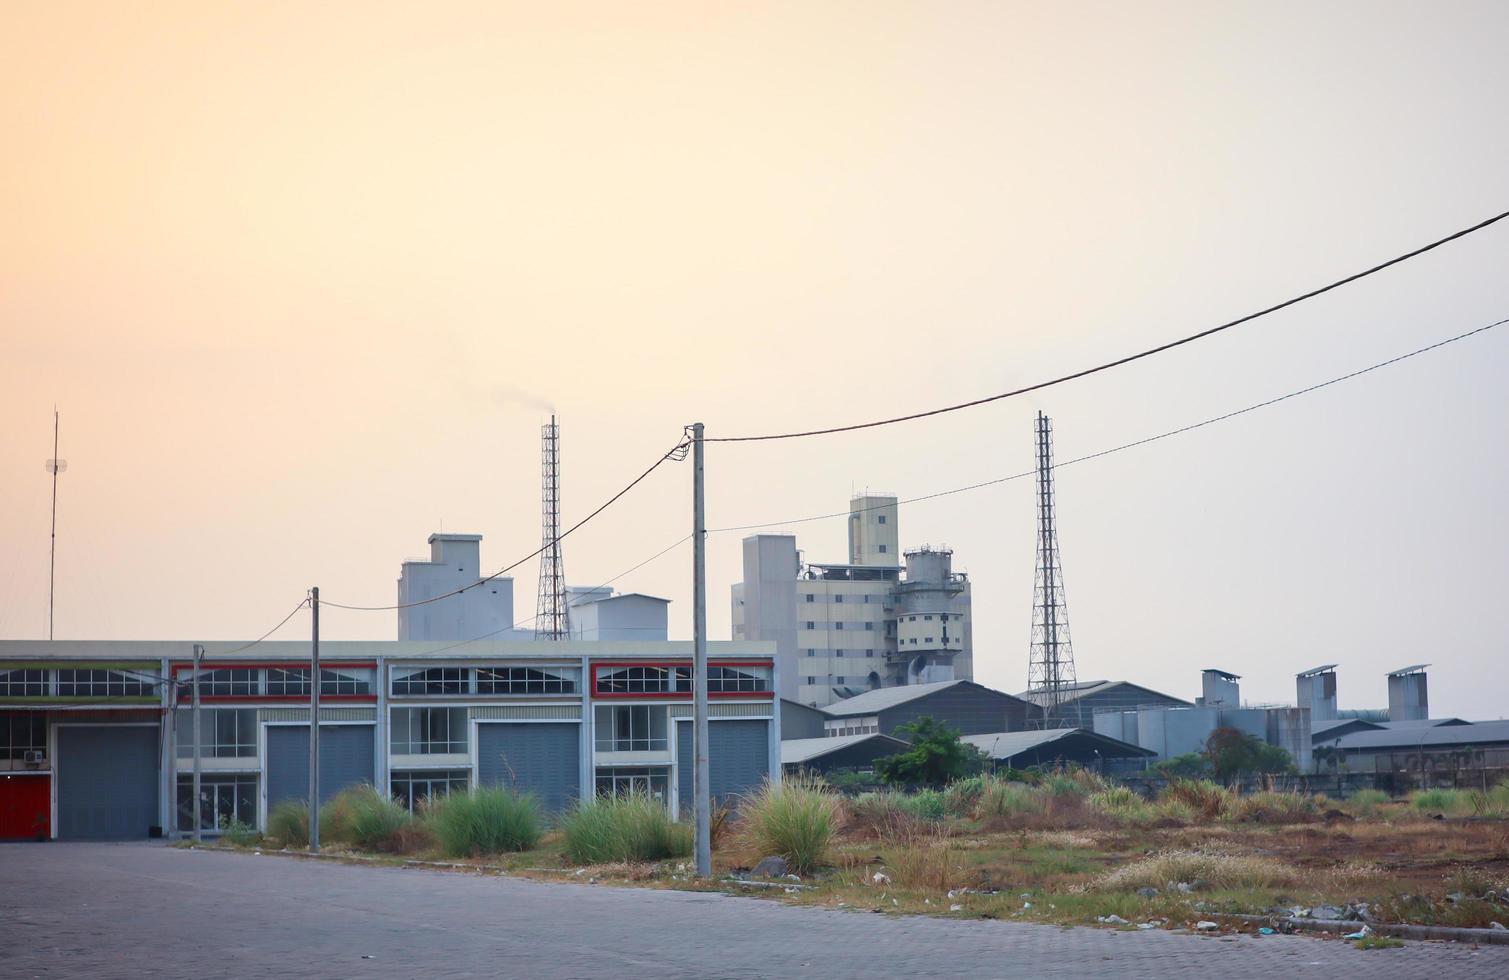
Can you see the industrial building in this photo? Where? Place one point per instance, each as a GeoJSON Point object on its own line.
{"type": "Point", "coordinates": [966, 707]}
{"type": "Point", "coordinates": [882, 619]}
{"type": "Point", "coordinates": [1419, 753]}
{"type": "Point", "coordinates": [96, 739]}
{"type": "Point", "coordinates": [1078, 703]}
{"type": "Point", "coordinates": [852, 753]}
{"type": "Point", "coordinates": [1061, 746]}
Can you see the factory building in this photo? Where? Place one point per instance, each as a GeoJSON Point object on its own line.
{"type": "Point", "coordinates": [966, 707]}
{"type": "Point", "coordinates": [96, 738]}
{"type": "Point", "coordinates": [882, 619]}
{"type": "Point", "coordinates": [1061, 747]}
{"type": "Point", "coordinates": [1079, 703]}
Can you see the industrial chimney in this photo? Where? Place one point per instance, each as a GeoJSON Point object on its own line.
{"type": "Point", "coordinates": [1407, 700]}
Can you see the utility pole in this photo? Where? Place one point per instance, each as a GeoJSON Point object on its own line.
{"type": "Point", "coordinates": [198, 811]}
{"type": "Point", "coordinates": [314, 723]}
{"type": "Point", "coordinates": [54, 466]}
{"type": "Point", "coordinates": [700, 779]}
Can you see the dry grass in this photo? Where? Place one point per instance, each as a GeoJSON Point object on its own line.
{"type": "Point", "coordinates": [1214, 869]}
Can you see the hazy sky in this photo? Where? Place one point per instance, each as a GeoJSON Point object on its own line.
{"type": "Point", "coordinates": [301, 276]}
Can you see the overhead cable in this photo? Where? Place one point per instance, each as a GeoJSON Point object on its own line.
{"type": "Point", "coordinates": [1085, 372]}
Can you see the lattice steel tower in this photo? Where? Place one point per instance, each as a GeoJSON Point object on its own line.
{"type": "Point", "coordinates": [550, 621]}
{"type": "Point", "coordinates": [1051, 663]}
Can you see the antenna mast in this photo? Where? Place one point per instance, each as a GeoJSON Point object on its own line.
{"type": "Point", "coordinates": [1051, 662]}
{"type": "Point", "coordinates": [54, 466]}
{"type": "Point", "coordinates": [550, 621]}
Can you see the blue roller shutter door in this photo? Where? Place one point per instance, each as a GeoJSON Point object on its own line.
{"type": "Point", "coordinates": [107, 782]}
{"type": "Point", "coordinates": [543, 758]}
{"type": "Point", "coordinates": [738, 759]}
{"type": "Point", "coordinates": [346, 759]}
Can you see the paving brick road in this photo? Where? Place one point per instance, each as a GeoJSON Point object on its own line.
{"type": "Point", "coordinates": [127, 910]}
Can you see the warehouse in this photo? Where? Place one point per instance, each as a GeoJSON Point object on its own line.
{"type": "Point", "coordinates": [965, 706]}
{"type": "Point", "coordinates": [1061, 746]}
{"type": "Point", "coordinates": [847, 753]}
{"type": "Point", "coordinates": [97, 738]}
{"type": "Point", "coordinates": [1079, 703]}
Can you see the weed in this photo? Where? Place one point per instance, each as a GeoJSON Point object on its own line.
{"type": "Point", "coordinates": [1439, 800]}
{"type": "Point", "coordinates": [1001, 799]}
{"type": "Point", "coordinates": [1207, 800]}
{"type": "Point", "coordinates": [1122, 805]}
{"type": "Point", "coordinates": [1375, 941]}
{"type": "Point", "coordinates": [289, 823]}
{"type": "Point", "coordinates": [485, 821]}
{"type": "Point", "coordinates": [962, 795]}
{"type": "Point", "coordinates": [1218, 870]}
{"type": "Point", "coordinates": [238, 834]}
{"type": "Point", "coordinates": [1274, 807]}
{"type": "Point", "coordinates": [633, 827]}
{"type": "Point", "coordinates": [1365, 802]}
{"type": "Point", "coordinates": [795, 818]}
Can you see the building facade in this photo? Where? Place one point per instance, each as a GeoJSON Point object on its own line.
{"type": "Point", "coordinates": [885, 618]}
{"type": "Point", "coordinates": [455, 561]}
{"type": "Point", "coordinates": [97, 739]}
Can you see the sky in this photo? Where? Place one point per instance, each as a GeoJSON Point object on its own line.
{"type": "Point", "coordinates": [304, 280]}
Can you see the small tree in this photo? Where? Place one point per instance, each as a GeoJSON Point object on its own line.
{"type": "Point", "coordinates": [936, 758]}
{"type": "Point", "coordinates": [1232, 752]}
{"type": "Point", "coordinates": [1190, 765]}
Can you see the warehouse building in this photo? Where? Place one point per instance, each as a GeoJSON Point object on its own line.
{"type": "Point", "coordinates": [97, 739]}
{"type": "Point", "coordinates": [1061, 746]}
{"type": "Point", "coordinates": [846, 753]}
{"type": "Point", "coordinates": [1079, 703]}
{"type": "Point", "coordinates": [966, 707]}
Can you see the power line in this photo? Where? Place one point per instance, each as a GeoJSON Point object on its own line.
{"type": "Point", "coordinates": [281, 623]}
{"type": "Point", "coordinates": [1138, 442]}
{"type": "Point", "coordinates": [1128, 358]}
{"type": "Point", "coordinates": [677, 453]}
{"type": "Point", "coordinates": [522, 622]}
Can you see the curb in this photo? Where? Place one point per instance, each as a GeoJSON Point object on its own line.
{"type": "Point", "coordinates": [1400, 930]}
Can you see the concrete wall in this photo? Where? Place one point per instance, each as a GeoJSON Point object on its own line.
{"type": "Point", "coordinates": [623, 617]}
{"type": "Point", "coordinates": [768, 597]}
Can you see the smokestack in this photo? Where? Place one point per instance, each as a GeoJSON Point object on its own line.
{"type": "Point", "coordinates": [1316, 689]}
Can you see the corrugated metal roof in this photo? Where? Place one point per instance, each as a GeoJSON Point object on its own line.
{"type": "Point", "coordinates": [1005, 745]}
{"type": "Point", "coordinates": [1478, 732]}
{"type": "Point", "coordinates": [882, 698]}
{"type": "Point", "coordinates": [1407, 670]}
{"type": "Point", "coordinates": [1074, 692]}
{"type": "Point", "coordinates": [798, 750]}
{"type": "Point", "coordinates": [1323, 668]}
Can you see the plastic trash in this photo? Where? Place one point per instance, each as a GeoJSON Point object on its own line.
{"type": "Point", "coordinates": [1205, 925]}
{"type": "Point", "coordinates": [1265, 931]}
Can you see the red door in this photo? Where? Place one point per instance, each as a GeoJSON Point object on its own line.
{"type": "Point", "coordinates": [25, 806]}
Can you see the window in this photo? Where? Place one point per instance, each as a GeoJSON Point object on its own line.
{"type": "Point", "coordinates": [840, 679]}
{"type": "Point", "coordinates": [812, 680]}
{"type": "Point", "coordinates": [411, 786]}
{"type": "Point", "coordinates": [630, 728]}
{"type": "Point", "coordinates": [643, 680]}
{"type": "Point", "coordinates": [526, 680]}
{"type": "Point", "coordinates": [651, 781]}
{"type": "Point", "coordinates": [839, 597]}
{"type": "Point", "coordinates": [928, 618]}
{"type": "Point", "coordinates": [428, 731]}
{"type": "Point", "coordinates": [432, 681]}
{"type": "Point", "coordinates": [224, 799]}
{"type": "Point", "coordinates": [838, 653]}
{"type": "Point", "coordinates": [730, 680]}
{"type": "Point", "coordinates": [293, 682]}
{"type": "Point", "coordinates": [811, 624]}
{"type": "Point", "coordinates": [880, 518]}
{"type": "Point", "coordinates": [911, 619]}
{"type": "Point", "coordinates": [23, 683]}
{"type": "Point", "coordinates": [811, 652]}
{"type": "Point", "coordinates": [870, 627]}
{"type": "Point", "coordinates": [869, 653]}
{"type": "Point", "coordinates": [882, 549]}
{"type": "Point", "coordinates": [226, 733]}
{"type": "Point", "coordinates": [811, 597]}
{"type": "Point", "coordinates": [225, 682]}
{"type": "Point", "coordinates": [22, 733]}
{"type": "Point", "coordinates": [101, 684]}
{"type": "Point", "coordinates": [838, 626]}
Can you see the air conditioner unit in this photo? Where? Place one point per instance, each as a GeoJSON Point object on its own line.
{"type": "Point", "coordinates": [34, 757]}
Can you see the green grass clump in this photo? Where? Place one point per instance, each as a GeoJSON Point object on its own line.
{"type": "Point", "coordinates": [1274, 808]}
{"type": "Point", "coordinates": [238, 834]}
{"type": "Point", "coordinates": [1122, 805]}
{"type": "Point", "coordinates": [1375, 941]}
{"type": "Point", "coordinates": [289, 823]}
{"type": "Point", "coordinates": [633, 827]}
{"type": "Point", "coordinates": [962, 795]}
{"type": "Point", "coordinates": [376, 822]}
{"type": "Point", "coordinates": [1207, 800]}
{"type": "Point", "coordinates": [1215, 869]}
{"type": "Point", "coordinates": [1439, 800]}
{"type": "Point", "coordinates": [486, 821]}
{"type": "Point", "coordinates": [795, 818]}
{"type": "Point", "coordinates": [926, 804]}
{"type": "Point", "coordinates": [1365, 802]}
{"type": "Point", "coordinates": [1003, 799]}
{"type": "Point", "coordinates": [1492, 803]}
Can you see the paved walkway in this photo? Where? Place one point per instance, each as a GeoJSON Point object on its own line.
{"type": "Point", "coordinates": [127, 910]}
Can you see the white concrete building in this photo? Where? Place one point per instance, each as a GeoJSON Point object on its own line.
{"type": "Point", "coordinates": [455, 560]}
{"type": "Point", "coordinates": [883, 619]}
{"type": "Point", "coordinates": [631, 616]}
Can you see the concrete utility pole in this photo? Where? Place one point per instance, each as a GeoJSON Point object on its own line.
{"type": "Point", "coordinates": [314, 723]}
{"type": "Point", "coordinates": [700, 781]}
{"type": "Point", "coordinates": [198, 812]}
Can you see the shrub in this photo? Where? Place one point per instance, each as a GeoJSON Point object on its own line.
{"type": "Point", "coordinates": [1002, 799]}
{"type": "Point", "coordinates": [485, 821]}
{"type": "Point", "coordinates": [633, 827]}
{"type": "Point", "coordinates": [1204, 798]}
{"type": "Point", "coordinates": [795, 818]}
{"type": "Point", "coordinates": [289, 823]}
{"type": "Point", "coordinates": [376, 821]}
{"type": "Point", "coordinates": [1190, 765]}
{"type": "Point", "coordinates": [337, 813]}
{"type": "Point", "coordinates": [927, 861]}
{"type": "Point", "coordinates": [1220, 870]}
{"type": "Point", "coordinates": [1274, 807]}
{"type": "Point", "coordinates": [1438, 800]}
{"type": "Point", "coordinates": [884, 815]}
{"type": "Point", "coordinates": [936, 756]}
{"type": "Point", "coordinates": [926, 804]}
{"type": "Point", "coordinates": [238, 834]}
{"type": "Point", "coordinates": [1365, 802]}
{"type": "Point", "coordinates": [1073, 782]}
{"type": "Point", "coordinates": [1232, 751]}
{"type": "Point", "coordinates": [1122, 805]}
{"type": "Point", "coordinates": [962, 795]}
{"type": "Point", "coordinates": [1492, 803]}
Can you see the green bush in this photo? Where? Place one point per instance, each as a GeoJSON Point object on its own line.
{"type": "Point", "coordinates": [1009, 799]}
{"type": "Point", "coordinates": [1190, 765]}
{"type": "Point", "coordinates": [486, 821]}
{"type": "Point", "coordinates": [377, 821]}
{"type": "Point", "coordinates": [1365, 802]}
{"type": "Point", "coordinates": [962, 795]}
{"type": "Point", "coordinates": [1204, 799]}
{"type": "Point", "coordinates": [289, 823]}
{"type": "Point", "coordinates": [1440, 800]}
{"type": "Point", "coordinates": [238, 834]}
{"type": "Point", "coordinates": [795, 818]}
{"type": "Point", "coordinates": [623, 828]}
{"type": "Point", "coordinates": [925, 804]}
{"type": "Point", "coordinates": [1122, 805]}
{"type": "Point", "coordinates": [1274, 807]}
{"type": "Point", "coordinates": [936, 756]}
